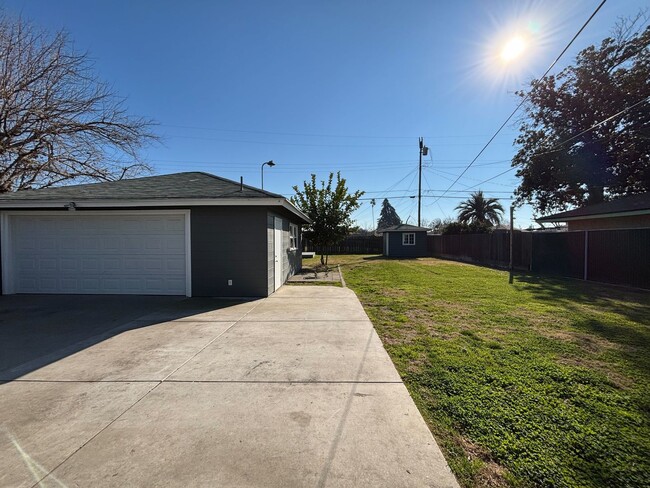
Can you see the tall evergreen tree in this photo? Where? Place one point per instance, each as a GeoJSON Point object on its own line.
{"type": "Point", "coordinates": [388, 216]}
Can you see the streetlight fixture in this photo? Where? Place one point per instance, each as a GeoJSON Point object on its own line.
{"type": "Point", "coordinates": [269, 164]}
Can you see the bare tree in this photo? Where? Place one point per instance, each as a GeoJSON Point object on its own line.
{"type": "Point", "coordinates": [58, 121]}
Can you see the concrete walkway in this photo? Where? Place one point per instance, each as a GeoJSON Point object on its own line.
{"type": "Point", "coordinates": [295, 390]}
{"type": "Point", "coordinates": [307, 275]}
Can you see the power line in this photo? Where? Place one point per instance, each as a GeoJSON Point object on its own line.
{"type": "Point", "coordinates": [558, 145]}
{"type": "Point", "coordinates": [525, 98]}
{"type": "Point", "coordinates": [452, 197]}
{"type": "Point", "coordinates": [332, 136]}
{"type": "Point", "coordinates": [301, 144]}
{"type": "Point", "coordinates": [270, 143]}
{"type": "Point", "coordinates": [467, 177]}
{"type": "Point", "coordinates": [494, 177]}
{"type": "Point", "coordinates": [305, 164]}
{"type": "Point", "coordinates": [431, 190]}
{"type": "Point", "coordinates": [414, 170]}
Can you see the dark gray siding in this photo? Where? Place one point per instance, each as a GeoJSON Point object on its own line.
{"type": "Point", "coordinates": [270, 253]}
{"type": "Point", "coordinates": [229, 243]}
{"type": "Point", "coordinates": [397, 250]}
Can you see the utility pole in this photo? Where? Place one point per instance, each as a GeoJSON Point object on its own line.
{"type": "Point", "coordinates": [512, 236]}
{"type": "Point", "coordinates": [424, 150]}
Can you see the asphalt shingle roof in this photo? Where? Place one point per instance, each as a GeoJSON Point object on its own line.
{"type": "Point", "coordinates": [403, 228]}
{"type": "Point", "coordinates": [191, 185]}
{"type": "Point", "coordinates": [630, 203]}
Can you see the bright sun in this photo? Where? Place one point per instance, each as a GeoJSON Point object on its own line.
{"type": "Point", "coordinates": [513, 49]}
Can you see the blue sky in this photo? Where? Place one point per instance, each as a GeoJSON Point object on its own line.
{"type": "Point", "coordinates": [330, 85]}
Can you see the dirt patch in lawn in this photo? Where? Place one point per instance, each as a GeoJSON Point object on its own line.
{"type": "Point", "coordinates": [588, 343]}
{"type": "Point", "coordinates": [491, 474]}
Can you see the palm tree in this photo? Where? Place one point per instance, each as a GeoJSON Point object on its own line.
{"type": "Point", "coordinates": [480, 210]}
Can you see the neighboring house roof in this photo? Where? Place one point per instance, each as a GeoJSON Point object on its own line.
{"type": "Point", "coordinates": [179, 189]}
{"type": "Point", "coordinates": [403, 228]}
{"type": "Point", "coordinates": [621, 207]}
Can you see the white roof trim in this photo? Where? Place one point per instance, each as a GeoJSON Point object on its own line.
{"type": "Point", "coordinates": [167, 202]}
{"type": "Point", "coordinates": [595, 216]}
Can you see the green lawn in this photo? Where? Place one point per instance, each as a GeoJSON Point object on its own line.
{"type": "Point", "coordinates": [541, 383]}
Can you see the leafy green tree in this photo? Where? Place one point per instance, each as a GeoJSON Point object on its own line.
{"type": "Point", "coordinates": [388, 215]}
{"type": "Point", "coordinates": [329, 207]}
{"type": "Point", "coordinates": [561, 161]}
{"type": "Point", "coordinates": [480, 210]}
{"type": "Point", "coordinates": [455, 227]}
{"type": "Point", "coordinates": [437, 225]}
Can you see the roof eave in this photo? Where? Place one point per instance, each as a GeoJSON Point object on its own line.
{"type": "Point", "coordinates": [153, 203]}
{"type": "Point", "coordinates": [559, 218]}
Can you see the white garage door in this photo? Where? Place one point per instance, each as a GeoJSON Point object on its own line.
{"type": "Point", "coordinates": [107, 253]}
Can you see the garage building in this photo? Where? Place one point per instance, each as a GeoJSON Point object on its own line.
{"type": "Point", "coordinates": [192, 234]}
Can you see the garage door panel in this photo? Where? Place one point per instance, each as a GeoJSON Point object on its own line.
{"type": "Point", "coordinates": [89, 243]}
{"type": "Point", "coordinates": [69, 285]}
{"type": "Point", "coordinates": [47, 264]}
{"type": "Point", "coordinates": [111, 243]}
{"type": "Point", "coordinates": [134, 254]}
{"type": "Point", "coordinates": [46, 244]}
{"type": "Point", "coordinates": [89, 265]}
{"type": "Point", "coordinates": [72, 265]}
{"type": "Point", "coordinates": [153, 244]}
{"type": "Point", "coordinates": [175, 225]}
{"type": "Point", "coordinates": [177, 265]}
{"type": "Point", "coordinates": [110, 285]}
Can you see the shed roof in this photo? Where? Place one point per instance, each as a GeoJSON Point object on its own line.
{"type": "Point", "coordinates": [620, 207]}
{"type": "Point", "coordinates": [403, 228]}
{"type": "Point", "coordinates": [178, 189]}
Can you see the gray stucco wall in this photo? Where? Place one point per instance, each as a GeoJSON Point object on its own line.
{"type": "Point", "coordinates": [397, 250]}
{"type": "Point", "coordinates": [229, 243]}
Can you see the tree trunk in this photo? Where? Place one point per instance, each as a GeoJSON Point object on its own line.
{"type": "Point", "coordinates": [596, 195]}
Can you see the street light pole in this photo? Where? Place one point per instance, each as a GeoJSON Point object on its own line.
{"type": "Point", "coordinates": [269, 164]}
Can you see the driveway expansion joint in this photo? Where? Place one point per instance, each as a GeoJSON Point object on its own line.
{"type": "Point", "coordinates": [156, 385]}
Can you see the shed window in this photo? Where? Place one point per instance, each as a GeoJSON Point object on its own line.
{"type": "Point", "coordinates": [408, 239]}
{"type": "Point", "coordinates": [293, 236]}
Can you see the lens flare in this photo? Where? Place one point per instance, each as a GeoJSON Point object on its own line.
{"type": "Point", "coordinates": [513, 49]}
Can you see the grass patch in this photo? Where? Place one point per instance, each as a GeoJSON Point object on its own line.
{"type": "Point", "coordinates": [541, 383]}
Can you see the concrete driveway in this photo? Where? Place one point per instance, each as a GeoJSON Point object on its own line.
{"type": "Point", "coordinates": [292, 390]}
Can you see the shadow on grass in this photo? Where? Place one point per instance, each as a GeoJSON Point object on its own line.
{"type": "Point", "coordinates": [379, 257]}
{"type": "Point", "coordinates": [634, 304]}
{"type": "Point", "coordinates": [631, 304]}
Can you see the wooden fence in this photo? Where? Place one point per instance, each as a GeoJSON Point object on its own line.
{"type": "Point", "coordinates": [351, 245]}
{"type": "Point", "coordinates": [609, 256]}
